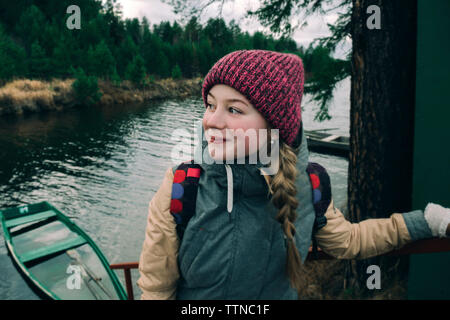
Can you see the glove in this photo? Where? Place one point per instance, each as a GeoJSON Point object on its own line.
{"type": "Point", "coordinates": [438, 219]}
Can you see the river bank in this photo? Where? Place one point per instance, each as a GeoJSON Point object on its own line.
{"type": "Point", "coordinates": [33, 96]}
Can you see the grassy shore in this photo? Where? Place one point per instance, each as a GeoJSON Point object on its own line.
{"type": "Point", "coordinates": [28, 96]}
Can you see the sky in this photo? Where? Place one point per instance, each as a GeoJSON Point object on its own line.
{"type": "Point", "coordinates": [156, 11]}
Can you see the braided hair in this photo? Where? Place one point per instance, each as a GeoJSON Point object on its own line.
{"type": "Point", "coordinates": [282, 187]}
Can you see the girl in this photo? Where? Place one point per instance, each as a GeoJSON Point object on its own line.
{"type": "Point", "coordinates": [251, 231]}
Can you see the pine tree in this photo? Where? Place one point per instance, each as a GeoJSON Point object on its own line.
{"type": "Point", "coordinates": [11, 56]}
{"type": "Point", "coordinates": [85, 88]}
{"type": "Point", "coordinates": [176, 72]}
{"type": "Point", "coordinates": [259, 41]}
{"type": "Point", "coordinates": [115, 78]}
{"type": "Point", "coordinates": [136, 70]}
{"type": "Point", "coordinates": [192, 30]}
{"type": "Point", "coordinates": [163, 64]}
{"type": "Point", "coordinates": [126, 53]}
{"type": "Point", "coordinates": [39, 63]}
{"type": "Point", "coordinates": [29, 27]}
{"type": "Point", "coordinates": [49, 37]}
{"type": "Point", "coordinates": [184, 57]}
{"type": "Point", "coordinates": [148, 49]}
{"type": "Point", "coordinates": [101, 61]}
{"type": "Point", "coordinates": [205, 57]}
{"type": "Point", "coordinates": [61, 61]}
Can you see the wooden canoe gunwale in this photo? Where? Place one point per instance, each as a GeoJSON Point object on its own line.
{"type": "Point", "coordinates": [14, 213]}
{"type": "Point", "coordinates": [318, 142]}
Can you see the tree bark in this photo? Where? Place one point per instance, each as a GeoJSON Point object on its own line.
{"type": "Point", "coordinates": [382, 118]}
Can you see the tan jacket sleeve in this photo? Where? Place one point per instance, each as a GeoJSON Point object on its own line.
{"type": "Point", "coordinates": [158, 267]}
{"type": "Point", "coordinates": [345, 240]}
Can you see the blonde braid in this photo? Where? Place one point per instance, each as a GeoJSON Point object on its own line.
{"type": "Point", "coordinates": [284, 199]}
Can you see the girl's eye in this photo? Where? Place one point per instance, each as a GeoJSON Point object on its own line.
{"type": "Point", "coordinates": [231, 109]}
{"type": "Point", "coordinates": [234, 111]}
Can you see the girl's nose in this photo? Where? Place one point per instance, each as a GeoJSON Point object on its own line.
{"type": "Point", "coordinates": [216, 119]}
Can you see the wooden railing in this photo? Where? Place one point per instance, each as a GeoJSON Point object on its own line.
{"type": "Point", "coordinates": [127, 266]}
{"type": "Point", "coordinates": [421, 246]}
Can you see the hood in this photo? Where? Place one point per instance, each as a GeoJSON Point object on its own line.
{"type": "Point", "coordinates": [208, 164]}
{"type": "Point", "coordinates": [305, 212]}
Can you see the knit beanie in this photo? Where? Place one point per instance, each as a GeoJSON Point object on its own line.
{"type": "Point", "coordinates": [271, 81]}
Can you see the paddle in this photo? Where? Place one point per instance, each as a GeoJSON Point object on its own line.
{"type": "Point", "coordinates": [87, 272]}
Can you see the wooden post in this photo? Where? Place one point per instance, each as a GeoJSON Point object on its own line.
{"type": "Point", "coordinates": [128, 283]}
{"type": "Point", "coordinates": [126, 270]}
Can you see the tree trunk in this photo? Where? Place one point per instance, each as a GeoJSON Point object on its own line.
{"type": "Point", "coordinates": [382, 120]}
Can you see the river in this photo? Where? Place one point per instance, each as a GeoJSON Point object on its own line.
{"type": "Point", "coordinates": [101, 167]}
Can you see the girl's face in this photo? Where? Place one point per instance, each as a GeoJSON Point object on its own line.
{"type": "Point", "coordinates": [232, 124]}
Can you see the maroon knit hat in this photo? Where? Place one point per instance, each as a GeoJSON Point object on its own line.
{"type": "Point", "coordinates": [271, 81]}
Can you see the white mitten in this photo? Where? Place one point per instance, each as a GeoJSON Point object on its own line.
{"type": "Point", "coordinates": [438, 218]}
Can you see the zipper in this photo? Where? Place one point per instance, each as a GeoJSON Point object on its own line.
{"type": "Point", "coordinates": [230, 189]}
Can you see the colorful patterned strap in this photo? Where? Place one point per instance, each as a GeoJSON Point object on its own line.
{"type": "Point", "coordinates": [185, 186]}
{"type": "Point", "coordinates": [320, 182]}
{"type": "Point", "coordinates": [184, 194]}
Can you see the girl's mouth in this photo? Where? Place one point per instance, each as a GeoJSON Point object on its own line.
{"type": "Point", "coordinates": [217, 140]}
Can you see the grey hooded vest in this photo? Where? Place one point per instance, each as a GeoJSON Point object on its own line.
{"type": "Point", "coordinates": [233, 248]}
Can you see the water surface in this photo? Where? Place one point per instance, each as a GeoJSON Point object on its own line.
{"type": "Point", "coordinates": [101, 167]}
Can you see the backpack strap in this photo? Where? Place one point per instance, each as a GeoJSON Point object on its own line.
{"type": "Point", "coordinates": [321, 192]}
{"type": "Point", "coordinates": [184, 194]}
{"type": "Point", "coordinates": [185, 187]}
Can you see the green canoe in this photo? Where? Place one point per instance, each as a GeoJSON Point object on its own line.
{"type": "Point", "coordinates": [56, 256]}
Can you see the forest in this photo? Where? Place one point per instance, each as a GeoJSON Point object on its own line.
{"type": "Point", "coordinates": [35, 43]}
